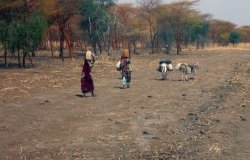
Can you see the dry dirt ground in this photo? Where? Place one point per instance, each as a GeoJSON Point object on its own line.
{"type": "Point", "coordinates": [206, 118]}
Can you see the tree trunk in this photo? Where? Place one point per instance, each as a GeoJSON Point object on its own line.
{"type": "Point", "coordinates": [152, 43]}
{"type": "Point", "coordinates": [24, 56]}
{"type": "Point", "coordinates": [115, 38]}
{"type": "Point", "coordinates": [94, 48]}
{"type": "Point", "coordinates": [151, 34]}
{"type": "Point", "coordinates": [80, 43]}
{"type": "Point", "coordinates": [5, 58]}
{"type": "Point", "coordinates": [31, 61]}
{"type": "Point", "coordinates": [51, 49]}
{"type": "Point", "coordinates": [100, 47]}
{"type": "Point", "coordinates": [61, 21]}
{"type": "Point", "coordinates": [134, 44]}
{"type": "Point", "coordinates": [18, 58]}
{"type": "Point", "coordinates": [155, 42]}
{"type": "Point", "coordinates": [33, 53]}
{"type": "Point", "coordinates": [13, 54]}
{"type": "Point", "coordinates": [67, 38]}
{"type": "Point", "coordinates": [197, 45]}
{"type": "Point", "coordinates": [202, 45]}
{"type": "Point", "coordinates": [178, 43]}
{"type": "Point", "coordinates": [61, 45]}
{"type": "Point", "coordinates": [51, 42]}
{"type": "Point", "coordinates": [70, 41]}
{"type": "Point", "coordinates": [109, 43]}
{"type": "Point", "coordinates": [178, 46]}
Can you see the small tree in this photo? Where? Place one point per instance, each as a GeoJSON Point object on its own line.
{"type": "Point", "coordinates": [180, 18]}
{"type": "Point", "coordinates": [166, 33]}
{"type": "Point", "coordinates": [167, 36]}
{"type": "Point", "coordinates": [3, 39]}
{"type": "Point", "coordinates": [26, 36]}
{"type": "Point", "coordinates": [15, 36]}
{"type": "Point", "coordinates": [244, 34]}
{"type": "Point", "coordinates": [95, 19]}
{"type": "Point", "coordinates": [223, 39]}
{"type": "Point", "coordinates": [234, 37]}
{"type": "Point", "coordinates": [200, 33]}
{"type": "Point", "coordinates": [219, 30]}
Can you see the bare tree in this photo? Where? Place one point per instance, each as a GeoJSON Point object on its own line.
{"type": "Point", "coordinates": [124, 12]}
{"type": "Point", "coordinates": [180, 19]}
{"type": "Point", "coordinates": [245, 33]}
{"type": "Point", "coordinates": [219, 31]}
{"type": "Point", "coordinates": [148, 11]}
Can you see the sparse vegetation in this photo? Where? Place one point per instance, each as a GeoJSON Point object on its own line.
{"type": "Point", "coordinates": [42, 118]}
{"type": "Point", "coordinates": [108, 26]}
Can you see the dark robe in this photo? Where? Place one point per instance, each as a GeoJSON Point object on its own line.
{"type": "Point", "coordinates": [87, 84]}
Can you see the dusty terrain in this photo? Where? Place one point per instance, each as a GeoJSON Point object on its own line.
{"type": "Point", "coordinates": [205, 118]}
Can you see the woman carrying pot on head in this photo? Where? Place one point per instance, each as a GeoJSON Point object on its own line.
{"type": "Point", "coordinates": [125, 68]}
{"type": "Point", "coordinates": [87, 84]}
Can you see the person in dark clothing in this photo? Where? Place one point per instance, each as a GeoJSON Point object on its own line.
{"type": "Point", "coordinates": [126, 72]}
{"type": "Point", "coordinates": [87, 84]}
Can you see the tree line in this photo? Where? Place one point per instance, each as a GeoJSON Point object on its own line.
{"type": "Point", "coordinates": [28, 25]}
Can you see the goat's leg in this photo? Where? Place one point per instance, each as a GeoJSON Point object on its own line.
{"type": "Point", "coordinates": [195, 74]}
{"type": "Point", "coordinates": [162, 75]}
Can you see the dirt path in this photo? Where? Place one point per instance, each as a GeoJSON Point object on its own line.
{"type": "Point", "coordinates": [199, 119]}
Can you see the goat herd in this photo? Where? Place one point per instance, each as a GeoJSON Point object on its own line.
{"type": "Point", "coordinates": [166, 65]}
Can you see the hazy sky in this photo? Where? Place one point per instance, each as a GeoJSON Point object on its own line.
{"type": "Point", "coordinates": [235, 11]}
